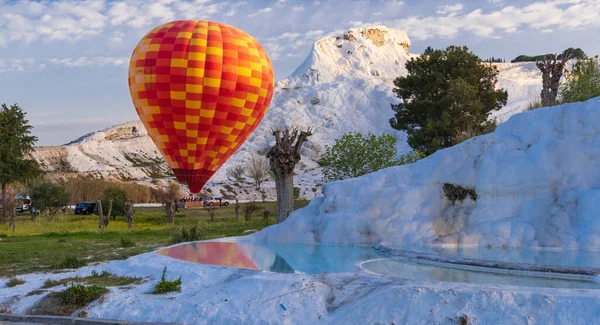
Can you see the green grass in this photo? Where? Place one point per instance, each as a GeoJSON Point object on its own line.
{"type": "Point", "coordinates": [72, 240]}
{"type": "Point", "coordinates": [127, 242]}
{"type": "Point", "coordinates": [105, 279]}
{"type": "Point", "coordinates": [165, 286]}
{"type": "Point", "coordinates": [66, 302]}
{"type": "Point", "coordinates": [13, 282]}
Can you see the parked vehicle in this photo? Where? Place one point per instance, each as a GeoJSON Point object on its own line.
{"type": "Point", "coordinates": [215, 201]}
{"type": "Point", "coordinates": [85, 208]}
{"type": "Point", "coordinates": [23, 203]}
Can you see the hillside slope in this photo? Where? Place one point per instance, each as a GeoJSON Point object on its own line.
{"type": "Point", "coordinates": [536, 182]}
{"type": "Point", "coordinates": [344, 85]}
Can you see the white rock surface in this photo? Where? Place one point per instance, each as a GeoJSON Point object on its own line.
{"type": "Point", "coordinates": [536, 177]}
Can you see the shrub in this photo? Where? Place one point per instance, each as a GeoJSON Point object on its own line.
{"type": "Point", "coordinates": [164, 285]}
{"type": "Point", "coordinates": [80, 295]}
{"type": "Point", "coordinates": [534, 105]}
{"type": "Point", "coordinates": [119, 197]}
{"type": "Point", "coordinates": [13, 282]}
{"type": "Point", "coordinates": [355, 154]}
{"type": "Point", "coordinates": [49, 197]}
{"type": "Point", "coordinates": [236, 173]}
{"type": "Point", "coordinates": [583, 82]}
{"type": "Point", "coordinates": [51, 283]}
{"type": "Point", "coordinates": [186, 234]}
{"type": "Point", "coordinates": [70, 262]}
{"type": "Point", "coordinates": [127, 242]}
{"type": "Point", "coordinates": [249, 209]}
{"type": "Point", "coordinates": [458, 193]}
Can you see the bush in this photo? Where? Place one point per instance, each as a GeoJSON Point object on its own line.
{"type": "Point", "coordinates": [80, 295]}
{"type": "Point", "coordinates": [127, 242]}
{"type": "Point", "coordinates": [355, 154]}
{"type": "Point", "coordinates": [583, 82]}
{"type": "Point", "coordinates": [164, 285]}
{"type": "Point", "coordinates": [534, 105]}
{"type": "Point", "coordinates": [14, 282]}
{"type": "Point", "coordinates": [119, 197]}
{"type": "Point", "coordinates": [444, 92]}
{"type": "Point", "coordinates": [458, 193]}
{"type": "Point", "coordinates": [49, 197]}
{"type": "Point", "coordinates": [70, 262]}
{"type": "Point", "coordinates": [250, 209]}
{"type": "Point", "coordinates": [186, 234]}
{"type": "Point", "coordinates": [236, 173]}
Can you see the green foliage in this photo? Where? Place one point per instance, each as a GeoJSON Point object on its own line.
{"type": "Point", "coordinates": [70, 262]}
{"type": "Point", "coordinates": [443, 93]}
{"type": "Point", "coordinates": [13, 282]}
{"type": "Point", "coordinates": [458, 193]}
{"type": "Point", "coordinates": [186, 233]}
{"type": "Point", "coordinates": [574, 54]}
{"type": "Point", "coordinates": [49, 197]}
{"type": "Point", "coordinates": [80, 295]}
{"type": "Point", "coordinates": [527, 58]}
{"type": "Point", "coordinates": [127, 242]}
{"type": "Point", "coordinates": [534, 105]}
{"type": "Point", "coordinates": [355, 154]}
{"type": "Point", "coordinates": [164, 285]}
{"type": "Point", "coordinates": [583, 82]}
{"type": "Point", "coordinates": [296, 193]}
{"type": "Point", "coordinates": [428, 50]}
{"type": "Point", "coordinates": [118, 196]}
{"type": "Point", "coordinates": [16, 142]}
{"type": "Point", "coordinates": [49, 283]}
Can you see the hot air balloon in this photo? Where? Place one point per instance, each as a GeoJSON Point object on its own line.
{"type": "Point", "coordinates": [200, 88]}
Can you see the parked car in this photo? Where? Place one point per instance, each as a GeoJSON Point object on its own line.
{"type": "Point", "coordinates": [85, 208]}
{"type": "Point", "coordinates": [215, 201]}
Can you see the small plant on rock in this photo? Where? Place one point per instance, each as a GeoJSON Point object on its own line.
{"type": "Point", "coordinates": [458, 193]}
{"type": "Point", "coordinates": [14, 282]}
{"type": "Point", "coordinates": [164, 285]}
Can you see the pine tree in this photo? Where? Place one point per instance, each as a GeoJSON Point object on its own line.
{"type": "Point", "coordinates": [16, 142]}
{"type": "Point", "coordinates": [446, 92]}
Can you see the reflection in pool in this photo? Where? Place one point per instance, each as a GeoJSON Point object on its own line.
{"type": "Point", "coordinates": [420, 272]}
{"type": "Point", "coordinates": [274, 257]}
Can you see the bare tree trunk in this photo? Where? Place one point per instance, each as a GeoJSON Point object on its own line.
{"type": "Point", "coordinates": [129, 214]}
{"type": "Point", "coordinates": [283, 157]}
{"type": "Point", "coordinates": [285, 195]}
{"type": "Point", "coordinates": [170, 212]}
{"type": "Point", "coordinates": [4, 200]}
{"type": "Point", "coordinates": [237, 210]}
{"type": "Point", "coordinates": [100, 217]}
{"type": "Point", "coordinates": [552, 71]}
{"type": "Point", "coordinates": [110, 202]}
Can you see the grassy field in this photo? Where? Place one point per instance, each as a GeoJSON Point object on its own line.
{"type": "Point", "coordinates": [72, 240]}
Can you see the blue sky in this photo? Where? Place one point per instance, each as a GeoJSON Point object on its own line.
{"type": "Point", "coordinates": [65, 62]}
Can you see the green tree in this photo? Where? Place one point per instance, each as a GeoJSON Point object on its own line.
{"type": "Point", "coordinates": [16, 142]}
{"type": "Point", "coordinates": [48, 197]}
{"type": "Point", "coordinates": [355, 154]}
{"type": "Point", "coordinates": [583, 82]}
{"type": "Point", "coordinates": [445, 92]}
{"type": "Point", "coordinates": [118, 197]}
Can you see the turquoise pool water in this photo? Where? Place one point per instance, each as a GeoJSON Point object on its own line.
{"type": "Point", "coordinates": [420, 272]}
{"type": "Point", "coordinates": [523, 255]}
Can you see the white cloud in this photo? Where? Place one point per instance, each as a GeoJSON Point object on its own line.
{"type": "Point", "coordinates": [449, 9]}
{"type": "Point", "coordinates": [90, 61]}
{"type": "Point", "coordinates": [261, 11]}
{"type": "Point", "coordinates": [17, 65]}
{"type": "Point", "coordinates": [564, 14]}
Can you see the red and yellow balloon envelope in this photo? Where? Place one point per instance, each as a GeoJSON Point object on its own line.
{"type": "Point", "coordinates": [200, 88]}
